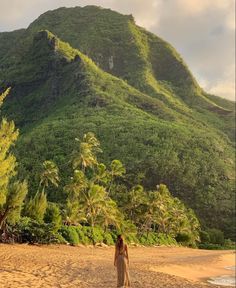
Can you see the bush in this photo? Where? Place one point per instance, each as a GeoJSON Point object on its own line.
{"type": "Point", "coordinates": [210, 246]}
{"type": "Point", "coordinates": [183, 238]}
{"type": "Point", "coordinates": [204, 237]}
{"type": "Point", "coordinates": [229, 244]}
{"type": "Point", "coordinates": [61, 239]}
{"type": "Point", "coordinates": [216, 236]}
{"type": "Point", "coordinates": [69, 233]}
{"type": "Point", "coordinates": [31, 231]}
{"type": "Point", "coordinates": [86, 235]}
{"type": "Point", "coordinates": [90, 237]}
{"type": "Point", "coordinates": [114, 235]}
{"type": "Point", "coordinates": [148, 239]}
{"type": "Point", "coordinates": [83, 238]}
{"type": "Point", "coordinates": [156, 239]}
{"type": "Point", "coordinates": [107, 238]}
{"type": "Point", "coordinates": [163, 239]}
{"type": "Point", "coordinates": [214, 239]}
{"type": "Point", "coordinates": [53, 216]}
{"type": "Point", "coordinates": [131, 238]}
{"type": "Point", "coordinates": [97, 234]}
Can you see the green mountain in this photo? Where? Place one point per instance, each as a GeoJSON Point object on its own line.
{"type": "Point", "coordinates": [75, 70]}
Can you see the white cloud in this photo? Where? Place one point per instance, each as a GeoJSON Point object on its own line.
{"type": "Point", "coordinates": [204, 34]}
{"type": "Point", "coordinates": [224, 86]}
{"type": "Point", "coordinates": [200, 6]}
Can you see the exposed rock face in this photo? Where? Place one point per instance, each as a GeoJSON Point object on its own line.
{"type": "Point", "coordinates": [111, 62]}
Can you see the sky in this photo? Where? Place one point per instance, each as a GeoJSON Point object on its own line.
{"type": "Point", "coordinates": [202, 31]}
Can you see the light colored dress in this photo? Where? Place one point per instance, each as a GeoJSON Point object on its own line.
{"type": "Point", "coordinates": [123, 279]}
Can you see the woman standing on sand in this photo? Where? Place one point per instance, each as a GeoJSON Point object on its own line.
{"type": "Point", "coordinates": [121, 261]}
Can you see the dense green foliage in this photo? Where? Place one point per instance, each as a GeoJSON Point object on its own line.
{"type": "Point", "coordinates": [94, 198]}
{"type": "Point", "coordinates": [214, 239]}
{"type": "Point", "coordinates": [148, 111]}
{"type": "Point", "coordinates": [12, 191]}
{"type": "Point", "coordinates": [98, 208]}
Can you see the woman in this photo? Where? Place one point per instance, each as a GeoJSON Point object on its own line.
{"type": "Point", "coordinates": [121, 262]}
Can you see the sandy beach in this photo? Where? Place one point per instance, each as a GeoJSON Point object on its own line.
{"type": "Point", "coordinates": [65, 266]}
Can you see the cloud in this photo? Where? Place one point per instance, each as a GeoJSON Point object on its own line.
{"type": "Point", "coordinates": [198, 7]}
{"type": "Point", "coordinates": [204, 34]}
{"type": "Point", "coordinates": [15, 14]}
{"type": "Point", "coordinates": [224, 85]}
{"type": "Point", "coordinates": [203, 31]}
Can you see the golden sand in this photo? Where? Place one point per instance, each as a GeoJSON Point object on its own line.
{"type": "Point", "coordinates": [24, 266]}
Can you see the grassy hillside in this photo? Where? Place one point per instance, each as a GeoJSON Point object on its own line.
{"type": "Point", "coordinates": [118, 46]}
{"type": "Point", "coordinates": [136, 95]}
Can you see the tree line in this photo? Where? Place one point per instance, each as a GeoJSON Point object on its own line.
{"type": "Point", "coordinates": [98, 203]}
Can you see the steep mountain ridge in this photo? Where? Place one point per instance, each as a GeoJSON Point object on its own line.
{"type": "Point", "coordinates": [51, 54]}
{"type": "Point", "coordinates": [125, 50]}
{"type": "Point", "coordinates": [145, 117]}
{"type": "Point", "coordinates": [130, 52]}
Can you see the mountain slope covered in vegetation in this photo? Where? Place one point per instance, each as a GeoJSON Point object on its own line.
{"type": "Point", "coordinates": [76, 70]}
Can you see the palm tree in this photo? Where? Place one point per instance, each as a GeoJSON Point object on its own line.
{"type": "Point", "coordinates": [74, 209]}
{"type": "Point", "coordinates": [136, 199]}
{"type": "Point", "coordinates": [110, 215]}
{"type": "Point", "coordinates": [94, 200]}
{"type": "Point", "coordinates": [86, 157]}
{"type": "Point", "coordinates": [88, 198]}
{"type": "Point", "coordinates": [49, 175]}
{"type": "Point", "coordinates": [36, 206]}
{"type": "Point", "coordinates": [101, 175]}
{"type": "Point", "coordinates": [117, 170]}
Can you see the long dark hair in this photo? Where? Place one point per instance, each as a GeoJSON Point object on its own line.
{"type": "Point", "coordinates": [119, 242]}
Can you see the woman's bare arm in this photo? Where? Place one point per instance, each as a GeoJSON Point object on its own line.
{"type": "Point", "coordinates": [115, 257]}
{"type": "Point", "coordinates": [127, 254]}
